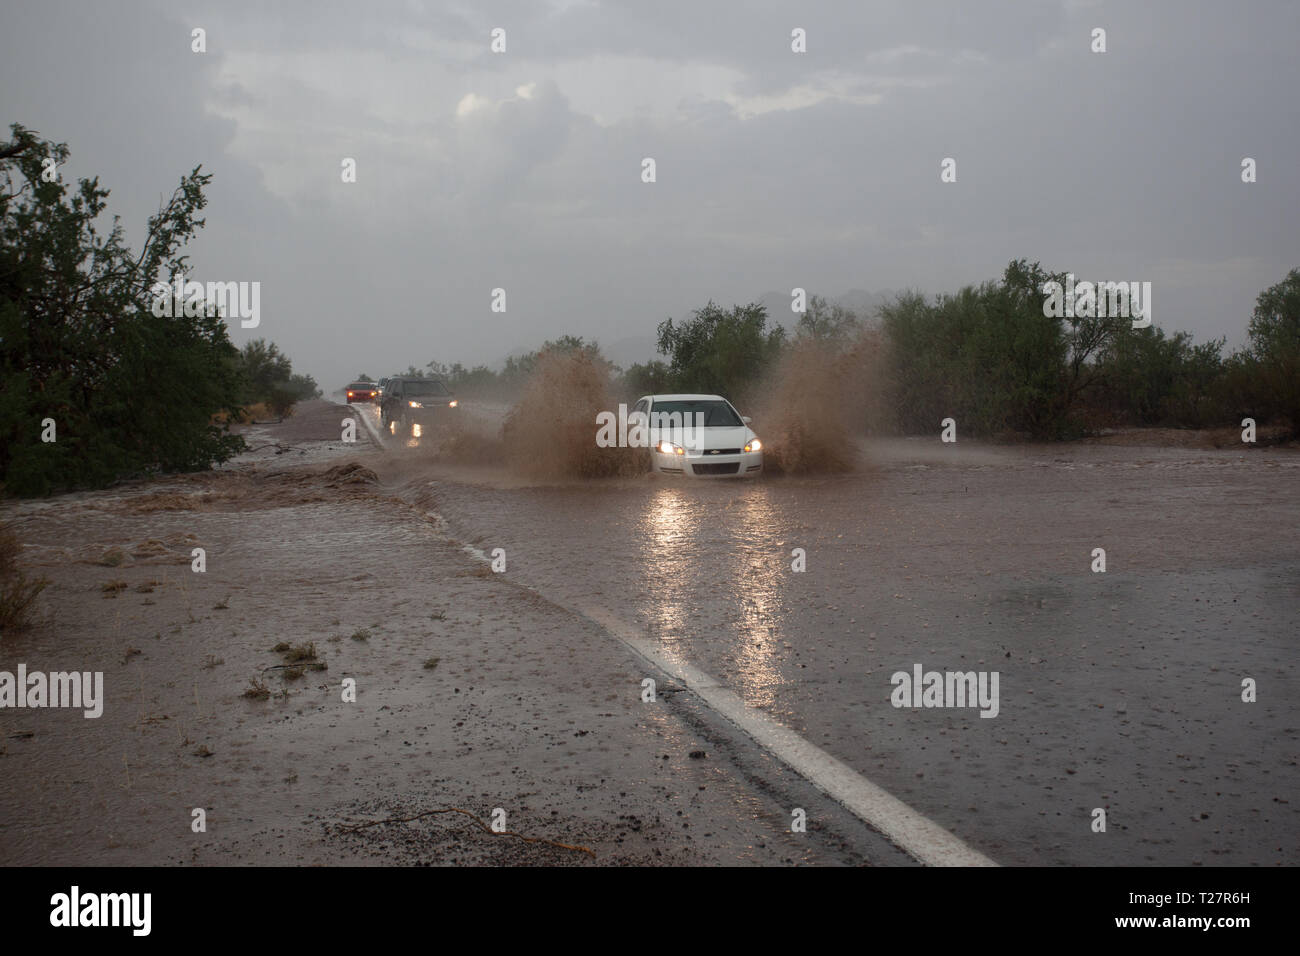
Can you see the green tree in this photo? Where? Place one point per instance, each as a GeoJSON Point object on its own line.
{"type": "Point", "coordinates": [824, 322]}
{"type": "Point", "coordinates": [989, 357]}
{"type": "Point", "coordinates": [129, 391]}
{"type": "Point", "coordinates": [720, 352]}
{"type": "Point", "coordinates": [1275, 345]}
{"type": "Point", "coordinates": [267, 376]}
{"type": "Point", "coordinates": [265, 368]}
{"type": "Point", "coordinates": [645, 379]}
{"type": "Point", "coordinates": [518, 369]}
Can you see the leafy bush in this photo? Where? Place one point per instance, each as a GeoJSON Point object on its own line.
{"type": "Point", "coordinates": [649, 379]}
{"type": "Point", "coordinates": [267, 377]}
{"type": "Point", "coordinates": [18, 593]}
{"type": "Point", "coordinates": [1275, 347]}
{"type": "Point", "coordinates": [128, 391]}
{"type": "Point", "coordinates": [986, 356]}
{"type": "Point", "coordinates": [717, 351]}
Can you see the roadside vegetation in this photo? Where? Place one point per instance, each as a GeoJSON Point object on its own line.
{"type": "Point", "coordinates": [94, 387]}
{"type": "Point", "coordinates": [18, 592]}
{"type": "Point", "coordinates": [986, 356]}
{"type": "Point", "coordinates": [268, 381]}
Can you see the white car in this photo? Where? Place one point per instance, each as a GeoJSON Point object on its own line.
{"type": "Point", "coordinates": [700, 436]}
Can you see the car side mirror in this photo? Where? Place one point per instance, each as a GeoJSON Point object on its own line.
{"type": "Point", "coordinates": [746, 419]}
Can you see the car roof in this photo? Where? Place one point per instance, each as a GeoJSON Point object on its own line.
{"type": "Point", "coordinates": [685, 398]}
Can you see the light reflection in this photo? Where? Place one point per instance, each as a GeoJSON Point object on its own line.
{"type": "Point", "coordinates": [758, 575]}
{"type": "Point", "coordinates": [668, 526]}
{"type": "Point", "coordinates": [684, 530]}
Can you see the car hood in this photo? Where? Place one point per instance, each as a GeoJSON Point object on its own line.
{"type": "Point", "coordinates": [718, 438]}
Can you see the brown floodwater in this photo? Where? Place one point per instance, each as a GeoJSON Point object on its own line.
{"type": "Point", "coordinates": [1119, 690]}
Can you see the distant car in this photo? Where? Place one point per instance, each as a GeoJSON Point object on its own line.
{"type": "Point", "coordinates": [379, 389]}
{"type": "Point", "coordinates": [724, 446]}
{"type": "Point", "coordinates": [416, 401]}
{"type": "Point", "coordinates": [362, 392]}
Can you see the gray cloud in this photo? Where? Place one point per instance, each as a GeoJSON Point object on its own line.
{"type": "Point", "coordinates": [821, 170]}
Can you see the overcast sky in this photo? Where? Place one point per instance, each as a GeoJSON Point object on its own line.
{"type": "Point", "coordinates": [522, 169]}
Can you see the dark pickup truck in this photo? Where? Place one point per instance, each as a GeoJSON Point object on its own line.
{"type": "Point", "coordinates": [426, 402]}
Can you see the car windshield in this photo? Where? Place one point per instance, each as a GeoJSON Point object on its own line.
{"type": "Point", "coordinates": [717, 414]}
{"type": "Point", "coordinates": [416, 387]}
{"type": "Point", "coordinates": [358, 386]}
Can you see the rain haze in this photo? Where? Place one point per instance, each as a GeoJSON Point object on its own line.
{"type": "Point", "coordinates": [522, 170]}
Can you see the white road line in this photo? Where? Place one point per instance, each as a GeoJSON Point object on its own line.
{"type": "Point", "coordinates": [370, 428]}
{"type": "Point", "coordinates": [917, 835]}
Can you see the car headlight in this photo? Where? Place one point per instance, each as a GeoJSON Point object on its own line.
{"type": "Point", "coordinates": [753, 445]}
{"type": "Point", "coordinates": [453, 403]}
{"type": "Point", "coordinates": [668, 448]}
{"type": "Point", "coordinates": [415, 404]}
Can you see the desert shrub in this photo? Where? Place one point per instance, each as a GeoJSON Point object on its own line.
{"type": "Point", "coordinates": [18, 592]}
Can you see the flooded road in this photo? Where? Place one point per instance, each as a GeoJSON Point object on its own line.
{"type": "Point", "coordinates": [426, 694]}
{"type": "Point", "coordinates": [1119, 691]}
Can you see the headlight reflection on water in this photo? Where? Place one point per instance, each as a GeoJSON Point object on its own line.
{"type": "Point", "coordinates": [758, 573]}
{"type": "Point", "coordinates": [712, 577]}
{"type": "Point", "coordinates": [669, 528]}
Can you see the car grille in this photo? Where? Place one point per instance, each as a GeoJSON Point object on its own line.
{"type": "Point", "coordinates": [727, 468]}
{"type": "Point", "coordinates": [723, 451]}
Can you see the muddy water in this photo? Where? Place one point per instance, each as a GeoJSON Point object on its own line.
{"type": "Point", "coordinates": [1118, 690]}
{"type": "Point", "coordinates": [471, 693]}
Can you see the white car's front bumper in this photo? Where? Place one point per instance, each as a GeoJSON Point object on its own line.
{"type": "Point", "coordinates": [705, 465]}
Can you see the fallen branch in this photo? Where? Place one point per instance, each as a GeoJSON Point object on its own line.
{"type": "Point", "coordinates": [271, 444]}
{"type": "Point", "coordinates": [353, 828]}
